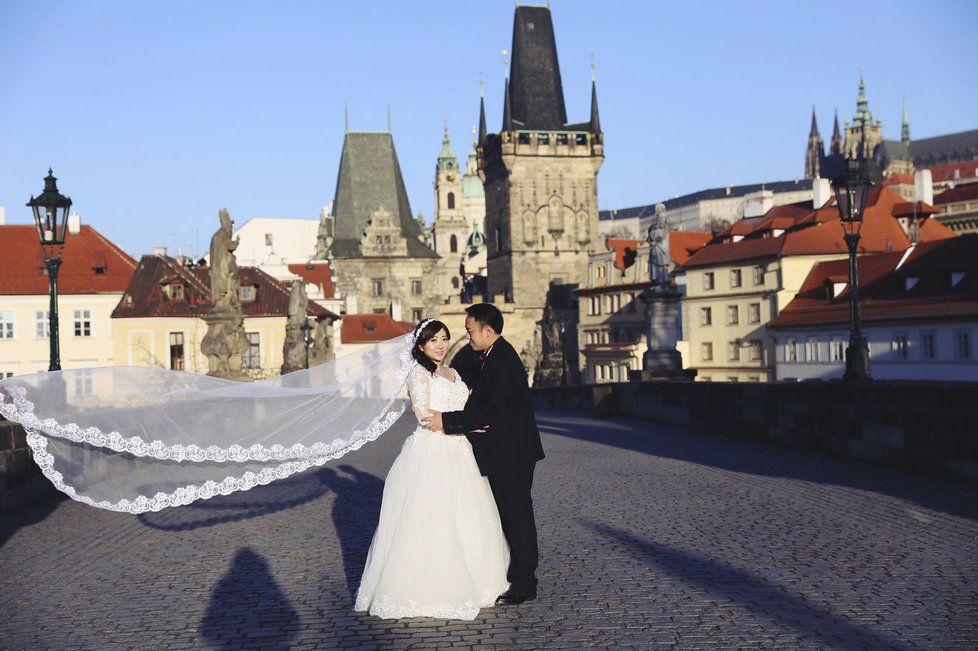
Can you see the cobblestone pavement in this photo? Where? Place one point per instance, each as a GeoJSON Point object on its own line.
{"type": "Point", "coordinates": [651, 536]}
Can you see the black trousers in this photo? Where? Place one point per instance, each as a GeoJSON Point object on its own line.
{"type": "Point", "coordinates": [512, 492]}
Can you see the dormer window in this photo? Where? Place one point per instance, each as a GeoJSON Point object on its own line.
{"type": "Point", "coordinates": [910, 282]}
{"type": "Point", "coordinates": [543, 138]}
{"type": "Point", "coordinates": [956, 277]}
{"type": "Point", "coordinates": [98, 269]}
{"type": "Point", "coordinates": [523, 138]}
{"type": "Point", "coordinates": [176, 291]}
{"type": "Point", "coordinates": [369, 326]}
{"type": "Point", "coordinates": [561, 138]}
{"type": "Point", "coordinates": [834, 289]}
{"type": "Point", "coordinates": [247, 293]}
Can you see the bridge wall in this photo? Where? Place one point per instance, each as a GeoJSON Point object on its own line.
{"type": "Point", "coordinates": [924, 427]}
{"type": "Point", "coordinates": [21, 481]}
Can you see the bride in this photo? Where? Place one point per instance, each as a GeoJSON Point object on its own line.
{"type": "Point", "coordinates": [439, 549]}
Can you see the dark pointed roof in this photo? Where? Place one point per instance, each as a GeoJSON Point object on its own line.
{"type": "Point", "coordinates": [482, 121]}
{"type": "Point", "coordinates": [814, 129]}
{"type": "Point", "coordinates": [507, 110]}
{"type": "Point", "coordinates": [370, 177]}
{"type": "Point", "coordinates": [537, 96]}
{"type": "Point", "coordinates": [595, 121]}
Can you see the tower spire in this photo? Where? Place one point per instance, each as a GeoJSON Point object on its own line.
{"type": "Point", "coordinates": [905, 127]}
{"type": "Point", "coordinates": [815, 154]}
{"type": "Point", "coordinates": [507, 111]}
{"type": "Point", "coordinates": [836, 145]}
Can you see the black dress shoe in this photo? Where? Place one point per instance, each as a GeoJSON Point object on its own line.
{"type": "Point", "coordinates": [512, 597]}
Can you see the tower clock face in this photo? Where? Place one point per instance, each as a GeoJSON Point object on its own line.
{"type": "Point", "coordinates": [450, 178]}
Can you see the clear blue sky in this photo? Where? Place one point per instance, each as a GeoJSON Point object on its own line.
{"type": "Point", "coordinates": [156, 114]}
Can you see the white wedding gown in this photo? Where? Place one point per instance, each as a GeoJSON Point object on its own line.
{"type": "Point", "coordinates": [439, 549]}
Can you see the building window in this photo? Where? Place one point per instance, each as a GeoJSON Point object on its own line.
{"type": "Point", "coordinates": [83, 382]}
{"type": "Point", "coordinates": [268, 239]}
{"type": "Point", "coordinates": [706, 316]}
{"type": "Point", "coordinates": [378, 287]}
{"type": "Point", "coordinates": [614, 302]}
{"type": "Point", "coordinates": [928, 345]}
{"type": "Point", "coordinates": [708, 282]}
{"type": "Point", "coordinates": [176, 351]}
{"type": "Point", "coordinates": [416, 285]}
{"type": "Point", "coordinates": [451, 202]}
{"type": "Point", "coordinates": [791, 350]}
{"type": "Point", "coordinates": [732, 378]}
{"type": "Point", "coordinates": [83, 323]}
{"type": "Point", "coordinates": [455, 284]}
{"type": "Point", "coordinates": [177, 291]}
{"type": "Point", "coordinates": [42, 324]}
{"type": "Point", "coordinates": [6, 374]}
{"type": "Point", "coordinates": [758, 275]}
{"type": "Point", "coordinates": [811, 349]}
{"type": "Point", "coordinates": [248, 293]}
{"type": "Point", "coordinates": [7, 324]}
{"type": "Point", "coordinates": [595, 306]}
{"type": "Point", "coordinates": [735, 278]}
{"type": "Point", "coordinates": [755, 350]}
{"type": "Point", "coordinates": [733, 315]}
{"type": "Point", "coordinates": [630, 308]}
{"type": "Point", "coordinates": [733, 351]}
{"type": "Point", "coordinates": [753, 378]}
{"type": "Point", "coordinates": [599, 271]}
{"type": "Point", "coordinates": [416, 315]}
{"type": "Point", "coordinates": [899, 346]}
{"type": "Point", "coordinates": [962, 344]}
{"type": "Point", "coordinates": [837, 349]}
{"type": "Point", "coordinates": [252, 359]}
{"type": "Point", "coordinates": [706, 351]}
{"type": "Point", "coordinates": [453, 244]}
{"type": "Point", "coordinates": [754, 313]}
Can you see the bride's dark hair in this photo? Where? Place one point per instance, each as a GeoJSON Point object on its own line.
{"type": "Point", "coordinates": [426, 333]}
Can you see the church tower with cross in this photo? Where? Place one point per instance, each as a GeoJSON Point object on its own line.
{"type": "Point", "coordinates": [450, 227]}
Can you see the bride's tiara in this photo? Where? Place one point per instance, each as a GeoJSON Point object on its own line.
{"type": "Point", "coordinates": [417, 332]}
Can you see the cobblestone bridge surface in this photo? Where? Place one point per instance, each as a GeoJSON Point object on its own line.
{"type": "Point", "coordinates": [651, 536]}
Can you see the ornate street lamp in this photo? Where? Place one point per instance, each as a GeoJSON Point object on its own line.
{"type": "Point", "coordinates": [306, 329]}
{"type": "Point", "coordinates": [51, 218]}
{"type": "Point", "coordinates": [851, 190]}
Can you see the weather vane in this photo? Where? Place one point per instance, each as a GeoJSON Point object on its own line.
{"type": "Point", "coordinates": [594, 67]}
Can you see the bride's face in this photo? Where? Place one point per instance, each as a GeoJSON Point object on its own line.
{"type": "Point", "coordinates": [436, 347]}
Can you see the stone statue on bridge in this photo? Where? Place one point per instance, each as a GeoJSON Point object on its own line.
{"type": "Point", "coordinates": [225, 343]}
{"type": "Point", "coordinates": [658, 238]}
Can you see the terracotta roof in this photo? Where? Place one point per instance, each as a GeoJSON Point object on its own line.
{"type": "Point", "coordinates": [911, 208]}
{"type": "Point", "coordinates": [899, 179]}
{"type": "Point", "coordinates": [370, 328]}
{"type": "Point", "coordinates": [883, 287]}
{"type": "Point", "coordinates": [317, 273]}
{"type": "Point", "coordinates": [144, 296]}
{"type": "Point", "coordinates": [91, 264]}
{"type": "Point", "coordinates": [625, 251]}
{"type": "Point", "coordinates": [945, 171]}
{"type": "Point", "coordinates": [683, 244]}
{"type": "Point", "coordinates": [815, 232]}
{"type": "Point", "coordinates": [960, 193]}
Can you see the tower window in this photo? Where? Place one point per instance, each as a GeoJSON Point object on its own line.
{"type": "Point", "coordinates": [453, 242]}
{"type": "Point", "coordinates": [451, 202]}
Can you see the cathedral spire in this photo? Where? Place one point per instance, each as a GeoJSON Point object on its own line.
{"type": "Point", "coordinates": [446, 159]}
{"type": "Point", "coordinates": [862, 116]}
{"type": "Point", "coordinates": [815, 155]}
{"type": "Point", "coordinates": [814, 130]}
{"type": "Point", "coordinates": [836, 147]}
{"type": "Point", "coordinates": [905, 127]}
{"type": "Point", "coordinates": [482, 121]}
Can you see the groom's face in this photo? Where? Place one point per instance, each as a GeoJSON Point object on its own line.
{"type": "Point", "coordinates": [479, 336]}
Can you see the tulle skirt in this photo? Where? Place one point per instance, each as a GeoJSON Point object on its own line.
{"type": "Point", "coordinates": [439, 549]}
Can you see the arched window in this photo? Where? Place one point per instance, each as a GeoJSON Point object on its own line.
{"type": "Point", "coordinates": [453, 243]}
{"type": "Point", "coordinates": [454, 282]}
{"type": "Point", "coordinates": [451, 202]}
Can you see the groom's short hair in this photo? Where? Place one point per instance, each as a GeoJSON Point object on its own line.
{"type": "Point", "coordinates": [486, 314]}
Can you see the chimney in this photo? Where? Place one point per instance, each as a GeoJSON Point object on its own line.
{"type": "Point", "coordinates": [396, 309]}
{"type": "Point", "coordinates": [160, 251]}
{"type": "Point", "coordinates": [821, 192]}
{"type": "Point", "coordinates": [758, 203]}
{"type": "Point", "coordinates": [74, 223]}
{"type": "Point", "coordinates": [351, 303]}
{"type": "Point", "coordinates": [923, 182]}
{"type": "Point", "coordinates": [3, 215]}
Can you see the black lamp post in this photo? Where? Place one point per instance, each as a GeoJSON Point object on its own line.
{"type": "Point", "coordinates": [51, 218]}
{"type": "Point", "coordinates": [306, 329]}
{"type": "Point", "coordinates": [851, 189]}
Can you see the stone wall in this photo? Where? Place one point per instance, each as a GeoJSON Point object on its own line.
{"type": "Point", "coordinates": [21, 481]}
{"type": "Point", "coordinates": [924, 427]}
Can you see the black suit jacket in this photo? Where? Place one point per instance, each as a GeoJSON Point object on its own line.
{"type": "Point", "coordinates": [500, 401]}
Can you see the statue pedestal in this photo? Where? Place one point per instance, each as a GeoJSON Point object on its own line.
{"type": "Point", "coordinates": [550, 372]}
{"type": "Point", "coordinates": [662, 360]}
{"type": "Point", "coordinates": [225, 344]}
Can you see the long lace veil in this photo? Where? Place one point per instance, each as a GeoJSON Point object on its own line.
{"type": "Point", "coordinates": [135, 439]}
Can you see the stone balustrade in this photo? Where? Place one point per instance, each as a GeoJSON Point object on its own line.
{"type": "Point", "coordinates": [21, 481]}
{"type": "Point", "coordinates": [924, 427]}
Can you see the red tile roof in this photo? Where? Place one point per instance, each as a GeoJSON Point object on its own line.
{"type": "Point", "coordinates": [144, 296]}
{"type": "Point", "coordinates": [883, 293]}
{"type": "Point", "coordinates": [959, 193]}
{"type": "Point", "coordinates": [899, 179]}
{"type": "Point", "coordinates": [625, 251]}
{"type": "Point", "coordinates": [370, 328]}
{"type": "Point", "coordinates": [683, 244]}
{"type": "Point", "coordinates": [316, 273]}
{"type": "Point", "coordinates": [813, 232]}
{"type": "Point", "coordinates": [85, 253]}
{"type": "Point", "coordinates": [945, 172]}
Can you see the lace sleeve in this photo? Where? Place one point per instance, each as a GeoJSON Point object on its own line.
{"type": "Point", "coordinates": [419, 390]}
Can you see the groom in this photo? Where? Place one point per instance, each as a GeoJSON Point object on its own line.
{"type": "Point", "coordinates": [508, 451]}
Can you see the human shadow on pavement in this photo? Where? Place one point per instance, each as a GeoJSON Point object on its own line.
{"type": "Point", "coordinates": [783, 609]}
{"type": "Point", "coordinates": [355, 514]}
{"type": "Point", "coordinates": [10, 523]}
{"type": "Point", "coordinates": [761, 458]}
{"type": "Point", "coordinates": [247, 606]}
{"type": "Point", "coordinates": [261, 500]}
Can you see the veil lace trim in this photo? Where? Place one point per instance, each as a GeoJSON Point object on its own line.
{"type": "Point", "coordinates": [281, 460]}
